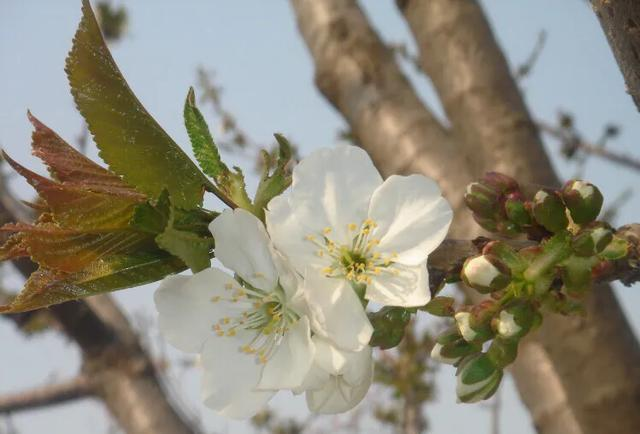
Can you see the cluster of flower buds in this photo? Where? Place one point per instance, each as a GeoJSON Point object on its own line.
{"type": "Point", "coordinates": [499, 206]}
{"type": "Point", "coordinates": [571, 249]}
{"type": "Point", "coordinates": [479, 373]}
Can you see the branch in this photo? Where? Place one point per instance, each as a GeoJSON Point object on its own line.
{"type": "Point", "coordinates": [620, 20]}
{"type": "Point", "coordinates": [589, 148]}
{"type": "Point", "coordinates": [459, 52]}
{"type": "Point", "coordinates": [47, 395]}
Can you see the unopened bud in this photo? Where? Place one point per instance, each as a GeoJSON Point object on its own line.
{"type": "Point", "coordinates": [500, 182]}
{"type": "Point", "coordinates": [486, 273]}
{"type": "Point", "coordinates": [516, 210]}
{"type": "Point", "coordinates": [478, 378]}
{"type": "Point", "coordinates": [481, 199]}
{"type": "Point", "coordinates": [503, 352]}
{"type": "Point", "coordinates": [549, 210]}
{"type": "Point", "coordinates": [583, 199]}
{"type": "Point", "coordinates": [475, 326]}
{"type": "Point", "coordinates": [591, 241]}
{"type": "Point", "coordinates": [450, 347]}
{"type": "Point", "coordinates": [515, 320]}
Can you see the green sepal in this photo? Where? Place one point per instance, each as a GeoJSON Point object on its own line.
{"type": "Point", "coordinates": [388, 326]}
{"type": "Point", "coordinates": [618, 248]}
{"type": "Point", "coordinates": [440, 306]}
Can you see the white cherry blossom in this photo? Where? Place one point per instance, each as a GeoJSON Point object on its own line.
{"type": "Point", "coordinates": [250, 331]}
{"type": "Point", "coordinates": [341, 226]}
{"type": "Point", "coordinates": [338, 379]}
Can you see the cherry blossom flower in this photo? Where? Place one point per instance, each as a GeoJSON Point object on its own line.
{"type": "Point", "coordinates": [250, 331]}
{"type": "Point", "coordinates": [342, 227]}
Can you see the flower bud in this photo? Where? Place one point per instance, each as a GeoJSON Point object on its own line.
{"type": "Point", "coordinates": [500, 183]}
{"type": "Point", "coordinates": [503, 352]}
{"type": "Point", "coordinates": [549, 210]}
{"type": "Point", "coordinates": [515, 320]}
{"type": "Point", "coordinates": [475, 326]}
{"type": "Point", "coordinates": [478, 378]}
{"type": "Point", "coordinates": [583, 199]}
{"type": "Point", "coordinates": [481, 199]}
{"type": "Point", "coordinates": [450, 347]}
{"type": "Point", "coordinates": [516, 210]}
{"type": "Point", "coordinates": [486, 273]}
{"type": "Point", "coordinates": [591, 241]}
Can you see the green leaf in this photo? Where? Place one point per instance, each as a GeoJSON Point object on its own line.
{"type": "Point", "coordinates": [272, 185]}
{"type": "Point", "coordinates": [231, 184]}
{"type": "Point", "coordinates": [204, 148]}
{"type": "Point", "coordinates": [194, 250]}
{"type": "Point", "coordinates": [130, 140]}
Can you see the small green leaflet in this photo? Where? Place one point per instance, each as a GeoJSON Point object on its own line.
{"type": "Point", "coordinates": [272, 185]}
{"type": "Point", "coordinates": [133, 144]}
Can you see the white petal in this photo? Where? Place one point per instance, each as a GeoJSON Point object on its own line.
{"type": "Point", "coordinates": [409, 288]}
{"type": "Point", "coordinates": [316, 379]}
{"type": "Point", "coordinates": [328, 357]}
{"type": "Point", "coordinates": [289, 366]}
{"type": "Point", "coordinates": [186, 312]}
{"type": "Point", "coordinates": [289, 234]}
{"type": "Point", "coordinates": [341, 393]}
{"type": "Point", "coordinates": [242, 245]}
{"type": "Point", "coordinates": [412, 217]}
{"type": "Point", "coordinates": [230, 378]}
{"type": "Point", "coordinates": [359, 367]}
{"type": "Point", "coordinates": [332, 188]}
{"type": "Point", "coordinates": [336, 311]}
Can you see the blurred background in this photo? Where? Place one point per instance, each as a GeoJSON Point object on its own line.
{"type": "Point", "coordinates": [254, 75]}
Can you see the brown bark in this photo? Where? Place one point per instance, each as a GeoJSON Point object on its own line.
{"type": "Point", "coordinates": [117, 367]}
{"type": "Point", "coordinates": [620, 20]}
{"type": "Point", "coordinates": [489, 122]}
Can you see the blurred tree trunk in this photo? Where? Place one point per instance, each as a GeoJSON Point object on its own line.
{"type": "Point", "coordinates": [576, 375]}
{"type": "Point", "coordinates": [620, 20]}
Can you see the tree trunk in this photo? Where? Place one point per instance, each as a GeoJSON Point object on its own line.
{"type": "Point", "coordinates": [620, 20]}
{"type": "Point", "coordinates": [490, 129]}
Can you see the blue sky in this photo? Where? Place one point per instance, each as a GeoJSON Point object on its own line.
{"type": "Point", "coordinates": [267, 77]}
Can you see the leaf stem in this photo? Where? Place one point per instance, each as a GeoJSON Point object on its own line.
{"type": "Point", "coordinates": [220, 195]}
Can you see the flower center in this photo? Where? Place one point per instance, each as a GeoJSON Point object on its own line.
{"type": "Point", "coordinates": [265, 313]}
{"type": "Point", "coordinates": [356, 260]}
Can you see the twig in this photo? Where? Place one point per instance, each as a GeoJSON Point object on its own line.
{"type": "Point", "coordinates": [523, 70]}
{"type": "Point", "coordinates": [589, 148]}
{"type": "Point", "coordinates": [43, 396]}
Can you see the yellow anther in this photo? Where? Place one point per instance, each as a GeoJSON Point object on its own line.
{"type": "Point", "coordinates": [376, 270]}
{"type": "Point", "coordinates": [226, 320]}
{"type": "Point", "coordinates": [219, 332]}
{"type": "Point", "coordinates": [215, 299]}
{"type": "Point", "coordinates": [262, 359]}
{"type": "Point", "coordinates": [327, 270]}
{"type": "Point", "coordinates": [320, 253]}
{"type": "Point", "coordinates": [310, 237]}
{"type": "Point", "coordinates": [352, 226]}
{"type": "Point", "coordinates": [368, 279]}
{"type": "Point", "coordinates": [231, 332]}
{"type": "Point", "coordinates": [326, 230]}
{"type": "Point", "coordinates": [376, 255]}
{"type": "Point", "coordinates": [228, 286]}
